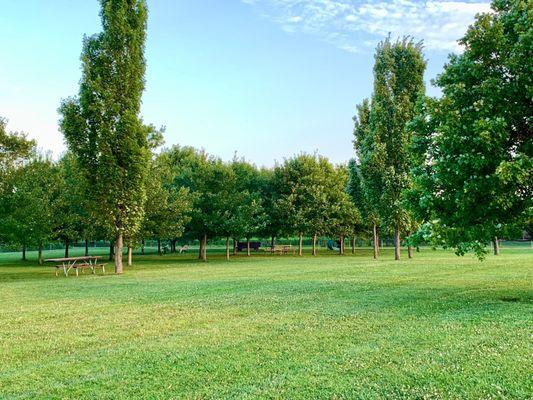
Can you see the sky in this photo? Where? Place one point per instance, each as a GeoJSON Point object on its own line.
{"type": "Point", "coordinates": [263, 79]}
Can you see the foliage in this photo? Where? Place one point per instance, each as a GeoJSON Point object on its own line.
{"type": "Point", "coordinates": [102, 126]}
{"type": "Point", "coordinates": [26, 206]}
{"type": "Point", "coordinates": [478, 140]}
{"type": "Point", "coordinates": [398, 84]}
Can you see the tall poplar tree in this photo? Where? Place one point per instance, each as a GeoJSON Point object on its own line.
{"type": "Point", "coordinates": [102, 125]}
{"type": "Point", "coordinates": [398, 85]}
{"type": "Point", "coordinates": [366, 173]}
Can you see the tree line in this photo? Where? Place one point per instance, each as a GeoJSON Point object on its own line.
{"type": "Point", "coordinates": [454, 170]}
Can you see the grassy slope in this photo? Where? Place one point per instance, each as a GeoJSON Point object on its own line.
{"type": "Point", "coordinates": [271, 327]}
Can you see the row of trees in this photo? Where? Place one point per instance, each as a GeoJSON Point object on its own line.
{"type": "Point", "coordinates": [187, 192]}
{"type": "Point", "coordinates": [457, 169]}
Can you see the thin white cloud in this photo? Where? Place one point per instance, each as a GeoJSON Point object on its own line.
{"type": "Point", "coordinates": [357, 25]}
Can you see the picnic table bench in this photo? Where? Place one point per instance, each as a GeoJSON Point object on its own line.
{"type": "Point", "coordinates": [282, 249]}
{"type": "Point", "coordinates": [77, 263]}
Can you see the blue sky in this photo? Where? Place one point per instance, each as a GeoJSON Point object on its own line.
{"type": "Point", "coordinates": [263, 78]}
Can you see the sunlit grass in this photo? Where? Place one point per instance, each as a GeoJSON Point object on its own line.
{"type": "Point", "coordinates": [330, 327]}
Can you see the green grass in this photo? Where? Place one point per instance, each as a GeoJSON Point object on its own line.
{"type": "Point", "coordinates": [330, 327]}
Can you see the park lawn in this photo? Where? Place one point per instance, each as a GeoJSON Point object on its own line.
{"type": "Point", "coordinates": [331, 327]}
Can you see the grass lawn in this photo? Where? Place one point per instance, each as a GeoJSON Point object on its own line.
{"type": "Point", "coordinates": [330, 327]}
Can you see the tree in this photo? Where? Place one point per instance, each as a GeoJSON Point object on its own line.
{"type": "Point", "coordinates": [398, 85]}
{"type": "Point", "coordinates": [15, 148]}
{"type": "Point", "coordinates": [477, 138]}
{"type": "Point", "coordinates": [71, 206]}
{"type": "Point", "coordinates": [27, 205]}
{"type": "Point", "coordinates": [102, 125]}
{"type": "Point", "coordinates": [368, 170]}
{"type": "Point", "coordinates": [355, 190]}
{"type": "Point", "coordinates": [249, 217]}
{"type": "Point", "coordinates": [167, 207]}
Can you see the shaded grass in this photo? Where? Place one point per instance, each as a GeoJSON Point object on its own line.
{"type": "Point", "coordinates": [329, 327]}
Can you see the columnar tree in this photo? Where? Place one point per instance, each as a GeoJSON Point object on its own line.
{"type": "Point", "coordinates": [102, 125]}
{"type": "Point", "coordinates": [398, 85]}
{"type": "Point", "coordinates": [366, 173]}
{"type": "Point", "coordinates": [478, 135]}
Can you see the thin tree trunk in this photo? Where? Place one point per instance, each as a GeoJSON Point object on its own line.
{"type": "Point", "coordinates": [159, 246]}
{"type": "Point", "coordinates": [227, 248]}
{"type": "Point", "coordinates": [397, 243]}
{"type": "Point", "coordinates": [353, 244]}
{"type": "Point", "coordinates": [272, 242]}
{"type": "Point", "coordinates": [204, 248]}
{"type": "Point", "coordinates": [234, 246]}
{"type": "Point", "coordinates": [173, 246]}
{"type": "Point", "coordinates": [142, 247]}
{"type": "Point", "coordinates": [118, 254]}
{"type": "Point", "coordinates": [40, 253]}
{"type": "Point", "coordinates": [201, 249]}
{"type": "Point", "coordinates": [341, 246]}
{"type": "Point", "coordinates": [409, 247]}
{"type": "Point", "coordinates": [300, 244]}
{"type": "Point", "coordinates": [248, 247]}
{"type": "Point", "coordinates": [23, 252]}
{"type": "Point", "coordinates": [376, 242]}
{"type": "Point", "coordinates": [130, 256]}
{"type": "Point", "coordinates": [86, 247]}
{"type": "Point", "coordinates": [496, 246]}
{"type": "Point", "coordinates": [314, 244]}
{"type": "Point", "coordinates": [67, 245]}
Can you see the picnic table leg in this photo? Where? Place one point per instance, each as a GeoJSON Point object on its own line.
{"type": "Point", "coordinates": [77, 274]}
{"type": "Point", "coordinates": [57, 269]}
{"type": "Point", "coordinates": [65, 270]}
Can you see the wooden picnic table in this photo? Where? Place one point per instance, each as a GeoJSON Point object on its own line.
{"type": "Point", "coordinates": [76, 263]}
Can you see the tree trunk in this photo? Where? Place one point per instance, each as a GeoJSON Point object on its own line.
{"type": "Point", "coordinates": [397, 243]}
{"type": "Point", "coordinates": [234, 246]}
{"type": "Point", "coordinates": [23, 252]}
{"type": "Point", "coordinates": [314, 244]}
{"type": "Point", "coordinates": [67, 245]}
{"type": "Point", "coordinates": [353, 244]}
{"type": "Point", "coordinates": [409, 247]}
{"type": "Point", "coordinates": [130, 256]}
{"type": "Point", "coordinates": [111, 251]}
{"type": "Point", "coordinates": [142, 247]}
{"type": "Point", "coordinates": [200, 250]}
{"type": "Point", "coordinates": [376, 242]}
{"type": "Point", "coordinates": [40, 253]}
{"type": "Point", "coordinates": [341, 246]}
{"type": "Point", "coordinates": [173, 246]}
{"type": "Point", "coordinates": [227, 248]}
{"type": "Point", "coordinates": [118, 254]}
{"type": "Point", "coordinates": [86, 247]}
{"type": "Point", "coordinates": [272, 242]}
{"type": "Point", "coordinates": [204, 248]}
{"type": "Point", "coordinates": [496, 246]}
{"type": "Point", "coordinates": [248, 247]}
{"type": "Point", "coordinates": [159, 246]}
{"type": "Point", "coordinates": [300, 244]}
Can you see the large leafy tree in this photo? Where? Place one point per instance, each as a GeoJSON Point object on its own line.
{"type": "Point", "coordinates": [167, 207]}
{"type": "Point", "coordinates": [102, 125]}
{"type": "Point", "coordinates": [398, 85]}
{"type": "Point", "coordinates": [26, 207]}
{"type": "Point", "coordinates": [477, 138]}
